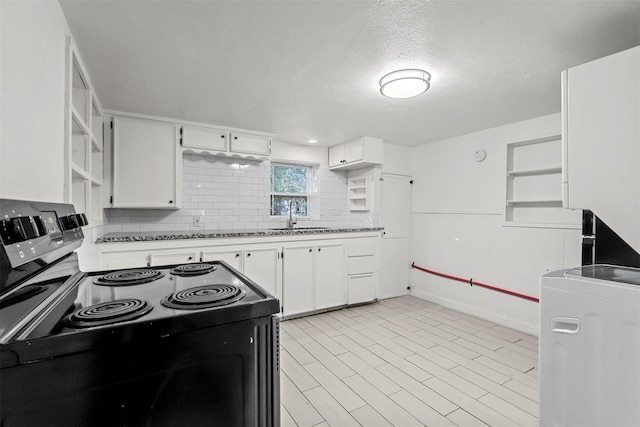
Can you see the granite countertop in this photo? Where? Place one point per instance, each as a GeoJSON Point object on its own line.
{"type": "Point", "coordinates": [148, 236]}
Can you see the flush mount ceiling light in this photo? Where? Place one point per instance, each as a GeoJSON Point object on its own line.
{"type": "Point", "coordinates": [312, 141]}
{"type": "Point", "coordinates": [405, 83]}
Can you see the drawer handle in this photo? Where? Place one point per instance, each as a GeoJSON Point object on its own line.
{"type": "Point", "coordinates": [249, 254]}
{"type": "Point", "coordinates": [565, 325]}
{"type": "Point", "coordinates": [190, 258]}
{"type": "Point", "coordinates": [237, 255]}
{"type": "Point", "coordinates": [319, 249]}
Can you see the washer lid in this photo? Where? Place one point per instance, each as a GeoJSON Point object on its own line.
{"type": "Point", "coordinates": [612, 273]}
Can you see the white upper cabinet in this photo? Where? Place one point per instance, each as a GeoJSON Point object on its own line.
{"type": "Point", "coordinates": [250, 144]}
{"type": "Point", "coordinates": [357, 153]}
{"type": "Point", "coordinates": [601, 141]}
{"type": "Point", "coordinates": [222, 142]}
{"type": "Point", "coordinates": [211, 139]}
{"type": "Point", "coordinates": [147, 170]}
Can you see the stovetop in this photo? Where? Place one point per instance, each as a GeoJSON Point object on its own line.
{"type": "Point", "coordinates": [142, 301]}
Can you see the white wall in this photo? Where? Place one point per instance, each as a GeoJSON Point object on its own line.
{"type": "Point", "coordinates": [397, 159]}
{"type": "Point", "coordinates": [32, 111]}
{"type": "Point", "coordinates": [458, 227]}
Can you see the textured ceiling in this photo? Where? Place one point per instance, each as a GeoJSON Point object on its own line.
{"type": "Point", "coordinates": [310, 69]}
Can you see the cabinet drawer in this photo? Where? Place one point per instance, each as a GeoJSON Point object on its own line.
{"type": "Point", "coordinates": [362, 249]}
{"type": "Point", "coordinates": [361, 265]}
{"type": "Point", "coordinates": [360, 289]}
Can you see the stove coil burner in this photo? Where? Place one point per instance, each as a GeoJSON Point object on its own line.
{"type": "Point", "coordinates": [109, 312]}
{"type": "Point", "coordinates": [128, 277]}
{"type": "Point", "coordinates": [204, 297]}
{"type": "Point", "coordinates": [193, 269]}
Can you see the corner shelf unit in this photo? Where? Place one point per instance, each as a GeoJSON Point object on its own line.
{"type": "Point", "coordinates": [83, 140]}
{"type": "Point", "coordinates": [534, 184]}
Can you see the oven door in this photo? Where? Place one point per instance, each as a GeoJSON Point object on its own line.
{"type": "Point", "coordinates": [224, 375]}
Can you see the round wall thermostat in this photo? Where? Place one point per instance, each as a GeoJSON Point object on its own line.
{"type": "Point", "coordinates": [479, 155]}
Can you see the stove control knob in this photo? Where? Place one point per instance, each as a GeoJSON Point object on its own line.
{"type": "Point", "coordinates": [69, 222]}
{"type": "Point", "coordinates": [29, 226]}
{"type": "Point", "coordinates": [82, 219]}
{"type": "Point", "coordinates": [40, 226]}
{"type": "Point", "coordinates": [12, 231]}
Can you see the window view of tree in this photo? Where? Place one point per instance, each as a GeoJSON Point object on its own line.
{"type": "Point", "coordinates": [289, 185]}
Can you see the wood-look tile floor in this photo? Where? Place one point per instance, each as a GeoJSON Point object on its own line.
{"type": "Point", "coordinates": [406, 362]}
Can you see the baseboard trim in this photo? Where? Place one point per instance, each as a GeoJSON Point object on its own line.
{"type": "Point", "coordinates": [486, 315]}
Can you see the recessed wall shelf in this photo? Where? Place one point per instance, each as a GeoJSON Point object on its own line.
{"type": "Point", "coordinates": [534, 185]}
{"type": "Point", "coordinates": [358, 193]}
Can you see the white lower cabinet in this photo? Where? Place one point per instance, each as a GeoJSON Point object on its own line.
{"type": "Point", "coordinates": [121, 259]}
{"type": "Point", "coordinates": [168, 258]}
{"type": "Point", "coordinates": [304, 275]}
{"type": "Point", "coordinates": [261, 264]}
{"type": "Point", "coordinates": [297, 280]}
{"type": "Point", "coordinates": [233, 257]}
{"type": "Point", "coordinates": [313, 277]}
{"type": "Point", "coordinates": [361, 288]}
{"type": "Point", "coordinates": [363, 270]}
{"type": "Point", "coordinates": [330, 276]}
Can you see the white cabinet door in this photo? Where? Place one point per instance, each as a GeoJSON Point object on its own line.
{"type": "Point", "coordinates": [336, 155]}
{"type": "Point", "coordinates": [297, 280]}
{"type": "Point", "coordinates": [204, 138]}
{"type": "Point", "coordinates": [354, 150]}
{"type": "Point", "coordinates": [250, 144]}
{"type": "Point", "coordinates": [330, 276]}
{"type": "Point", "coordinates": [120, 260]}
{"type": "Point", "coordinates": [168, 258]}
{"type": "Point", "coordinates": [231, 257]}
{"type": "Point", "coordinates": [356, 154]}
{"type": "Point", "coordinates": [261, 266]}
{"type": "Point", "coordinates": [601, 138]}
{"type": "Point", "coordinates": [145, 164]}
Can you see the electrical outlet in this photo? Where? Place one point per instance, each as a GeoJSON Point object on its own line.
{"type": "Point", "coordinates": [196, 221]}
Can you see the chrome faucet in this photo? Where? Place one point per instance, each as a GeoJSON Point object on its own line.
{"type": "Point", "coordinates": [292, 220]}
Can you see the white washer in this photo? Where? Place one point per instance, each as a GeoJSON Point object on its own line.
{"type": "Point", "coordinates": [590, 347]}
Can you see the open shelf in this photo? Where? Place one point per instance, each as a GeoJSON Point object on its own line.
{"type": "Point", "coordinates": [534, 185]}
{"type": "Point", "coordinates": [358, 193]}
{"type": "Point", "coordinates": [83, 140]}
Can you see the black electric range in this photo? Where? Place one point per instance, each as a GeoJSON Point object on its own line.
{"type": "Point", "coordinates": [193, 344]}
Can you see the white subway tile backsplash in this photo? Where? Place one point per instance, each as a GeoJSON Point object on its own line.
{"type": "Point", "coordinates": [229, 195]}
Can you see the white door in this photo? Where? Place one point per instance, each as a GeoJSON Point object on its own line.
{"type": "Point", "coordinates": [396, 217]}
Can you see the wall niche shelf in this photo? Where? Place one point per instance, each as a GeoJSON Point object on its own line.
{"type": "Point", "coordinates": [534, 184]}
{"type": "Point", "coordinates": [358, 193]}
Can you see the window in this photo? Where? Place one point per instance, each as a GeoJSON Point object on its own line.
{"type": "Point", "coordinates": [289, 185]}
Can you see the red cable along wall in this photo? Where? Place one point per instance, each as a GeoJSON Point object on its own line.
{"type": "Point", "coordinates": [472, 283]}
